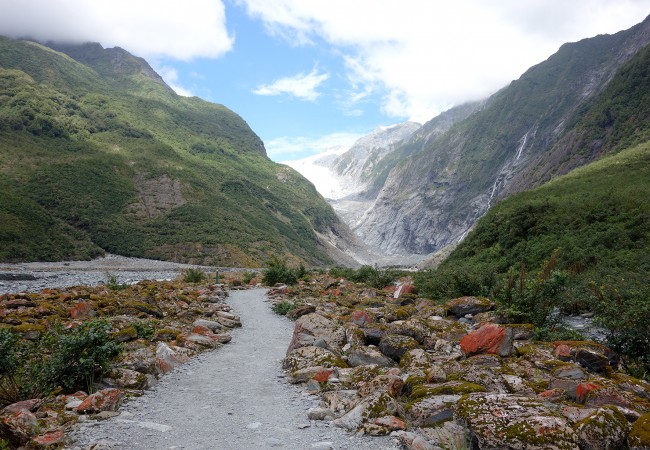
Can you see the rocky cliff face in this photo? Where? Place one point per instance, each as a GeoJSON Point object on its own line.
{"type": "Point", "coordinates": [447, 180]}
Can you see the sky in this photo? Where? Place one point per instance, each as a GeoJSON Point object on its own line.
{"type": "Point", "coordinates": [310, 75]}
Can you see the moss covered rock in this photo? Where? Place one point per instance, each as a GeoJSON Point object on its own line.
{"type": "Point", "coordinates": [605, 429]}
{"type": "Point", "coordinates": [312, 356]}
{"type": "Point", "coordinates": [639, 438]}
{"type": "Point", "coordinates": [503, 421]}
{"type": "Point", "coordinates": [396, 345]}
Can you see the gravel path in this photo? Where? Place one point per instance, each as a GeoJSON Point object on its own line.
{"type": "Point", "coordinates": [232, 398]}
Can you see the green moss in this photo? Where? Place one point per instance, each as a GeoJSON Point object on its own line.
{"type": "Point", "coordinates": [126, 334]}
{"type": "Point", "coordinates": [166, 334]}
{"type": "Point", "coordinates": [448, 388]}
{"type": "Point", "coordinates": [640, 434]}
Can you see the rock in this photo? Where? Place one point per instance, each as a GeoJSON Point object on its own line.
{"type": "Point", "coordinates": [311, 327]}
{"type": "Point", "coordinates": [405, 289]}
{"type": "Point", "coordinates": [583, 390]}
{"type": "Point", "coordinates": [570, 371]}
{"type": "Point", "coordinates": [301, 311]}
{"type": "Point", "coordinates": [229, 323]}
{"type": "Point", "coordinates": [429, 411]}
{"type": "Point", "coordinates": [49, 438]}
{"type": "Point", "coordinates": [413, 441]}
{"type": "Point", "coordinates": [416, 362]}
{"type": "Point", "coordinates": [319, 413]}
{"type": "Point", "coordinates": [639, 437]}
{"type": "Point", "coordinates": [142, 360]}
{"type": "Point", "coordinates": [490, 338]}
{"type": "Point", "coordinates": [341, 401]}
{"type": "Point", "coordinates": [27, 405]}
{"type": "Point", "coordinates": [390, 384]}
{"type": "Point", "coordinates": [504, 421]}
{"type": "Point", "coordinates": [362, 356]}
{"type": "Point", "coordinates": [129, 379]}
{"type": "Point", "coordinates": [377, 405]}
{"type": "Point", "coordinates": [362, 318]}
{"type": "Point", "coordinates": [168, 358]}
{"type": "Point", "coordinates": [81, 310]}
{"type": "Point", "coordinates": [592, 361]}
{"type": "Point", "coordinates": [446, 388]}
{"type": "Point", "coordinates": [311, 356]}
{"type": "Point", "coordinates": [383, 426]}
{"type": "Point", "coordinates": [104, 400]}
{"type": "Point", "coordinates": [517, 385]}
{"type": "Point", "coordinates": [605, 429]}
{"type": "Point", "coordinates": [17, 427]}
{"type": "Point", "coordinates": [468, 305]}
{"type": "Point", "coordinates": [209, 324]}
{"type": "Point", "coordinates": [304, 375]}
{"type": "Point", "coordinates": [395, 345]}
{"type": "Point", "coordinates": [374, 332]}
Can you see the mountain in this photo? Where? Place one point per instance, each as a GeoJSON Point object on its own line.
{"type": "Point", "coordinates": [562, 113]}
{"type": "Point", "coordinates": [98, 154]}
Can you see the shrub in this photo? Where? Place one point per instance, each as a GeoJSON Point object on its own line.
{"type": "Point", "coordinates": [247, 277]}
{"type": "Point", "coordinates": [193, 275]}
{"type": "Point", "coordinates": [372, 276]}
{"type": "Point", "coordinates": [67, 359]}
{"type": "Point", "coordinates": [113, 284]}
{"type": "Point", "coordinates": [279, 272]}
{"type": "Point", "coordinates": [145, 330]}
{"type": "Point", "coordinates": [282, 308]}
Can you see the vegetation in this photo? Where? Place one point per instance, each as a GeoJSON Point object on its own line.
{"type": "Point", "coordinates": [62, 359]}
{"type": "Point", "coordinates": [113, 284]}
{"type": "Point", "coordinates": [372, 276]}
{"type": "Point", "coordinates": [589, 232]}
{"type": "Point", "coordinates": [283, 308]}
{"type": "Point", "coordinates": [278, 271]}
{"type": "Point", "coordinates": [193, 275]}
{"type": "Point", "coordinates": [93, 151]}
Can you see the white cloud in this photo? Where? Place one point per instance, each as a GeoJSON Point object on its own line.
{"type": "Point", "coordinates": [426, 56]}
{"type": "Point", "coordinates": [170, 75]}
{"type": "Point", "coordinates": [150, 28]}
{"type": "Point", "coordinates": [302, 86]}
{"type": "Point", "coordinates": [298, 147]}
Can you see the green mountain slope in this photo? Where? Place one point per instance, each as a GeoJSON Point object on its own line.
{"type": "Point", "coordinates": [100, 155]}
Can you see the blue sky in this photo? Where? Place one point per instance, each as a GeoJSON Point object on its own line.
{"type": "Point", "coordinates": [308, 75]}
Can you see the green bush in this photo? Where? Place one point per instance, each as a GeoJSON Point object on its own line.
{"type": "Point", "coordinates": [372, 276]}
{"type": "Point", "coordinates": [62, 359]}
{"type": "Point", "coordinates": [279, 272]}
{"type": "Point", "coordinates": [113, 284]}
{"type": "Point", "coordinates": [193, 275]}
{"type": "Point", "coordinates": [145, 330]}
{"type": "Point", "coordinates": [247, 277]}
{"type": "Point", "coordinates": [282, 308]}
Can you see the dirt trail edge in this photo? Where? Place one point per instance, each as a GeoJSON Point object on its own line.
{"type": "Point", "coordinates": [232, 398]}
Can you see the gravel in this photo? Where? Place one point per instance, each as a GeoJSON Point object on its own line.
{"type": "Point", "coordinates": [36, 276]}
{"type": "Point", "coordinates": [233, 398]}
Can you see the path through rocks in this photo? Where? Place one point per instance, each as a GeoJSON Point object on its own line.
{"type": "Point", "coordinates": [232, 398]}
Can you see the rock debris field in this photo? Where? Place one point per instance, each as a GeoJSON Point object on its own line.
{"type": "Point", "coordinates": [232, 398]}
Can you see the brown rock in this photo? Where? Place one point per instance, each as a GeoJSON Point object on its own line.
{"type": "Point", "coordinates": [104, 400]}
{"type": "Point", "coordinates": [490, 338]}
{"type": "Point", "coordinates": [301, 311]}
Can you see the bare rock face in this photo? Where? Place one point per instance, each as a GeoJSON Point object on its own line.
{"type": "Point", "coordinates": [158, 196]}
{"type": "Point", "coordinates": [503, 421]}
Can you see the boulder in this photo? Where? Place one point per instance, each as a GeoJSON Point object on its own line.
{"type": "Point", "coordinates": [312, 356]}
{"type": "Point", "coordinates": [639, 438]}
{"type": "Point", "coordinates": [416, 362]}
{"type": "Point", "coordinates": [362, 318]}
{"type": "Point", "coordinates": [468, 305]}
{"type": "Point", "coordinates": [49, 438]}
{"type": "Point", "coordinates": [104, 400]}
{"type": "Point", "coordinates": [504, 421]}
{"type": "Point", "coordinates": [605, 429]}
{"type": "Point", "coordinates": [382, 426]}
{"type": "Point", "coordinates": [16, 427]}
{"type": "Point", "coordinates": [390, 384]}
{"type": "Point", "coordinates": [209, 324]}
{"type": "Point", "coordinates": [311, 327]}
{"type": "Point", "coordinates": [341, 401]}
{"type": "Point", "coordinates": [301, 311]}
{"type": "Point", "coordinates": [363, 356]}
{"type": "Point", "coordinates": [374, 406]}
{"type": "Point", "coordinates": [170, 357]}
{"type": "Point", "coordinates": [429, 411]}
{"type": "Point", "coordinates": [591, 360]}
{"type": "Point", "coordinates": [129, 379]}
{"type": "Point", "coordinates": [396, 345]}
{"type": "Point", "coordinates": [490, 338]}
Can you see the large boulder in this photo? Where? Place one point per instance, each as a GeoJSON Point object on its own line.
{"type": "Point", "coordinates": [104, 400]}
{"type": "Point", "coordinates": [363, 356]}
{"type": "Point", "coordinates": [312, 356]}
{"type": "Point", "coordinates": [396, 345]}
{"type": "Point", "coordinates": [490, 338]}
{"type": "Point", "coordinates": [605, 429]}
{"type": "Point", "coordinates": [468, 305]}
{"type": "Point", "coordinates": [313, 327]}
{"type": "Point", "coordinates": [639, 438]}
{"type": "Point", "coordinates": [429, 411]}
{"type": "Point", "coordinates": [380, 404]}
{"type": "Point", "coordinates": [504, 422]}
